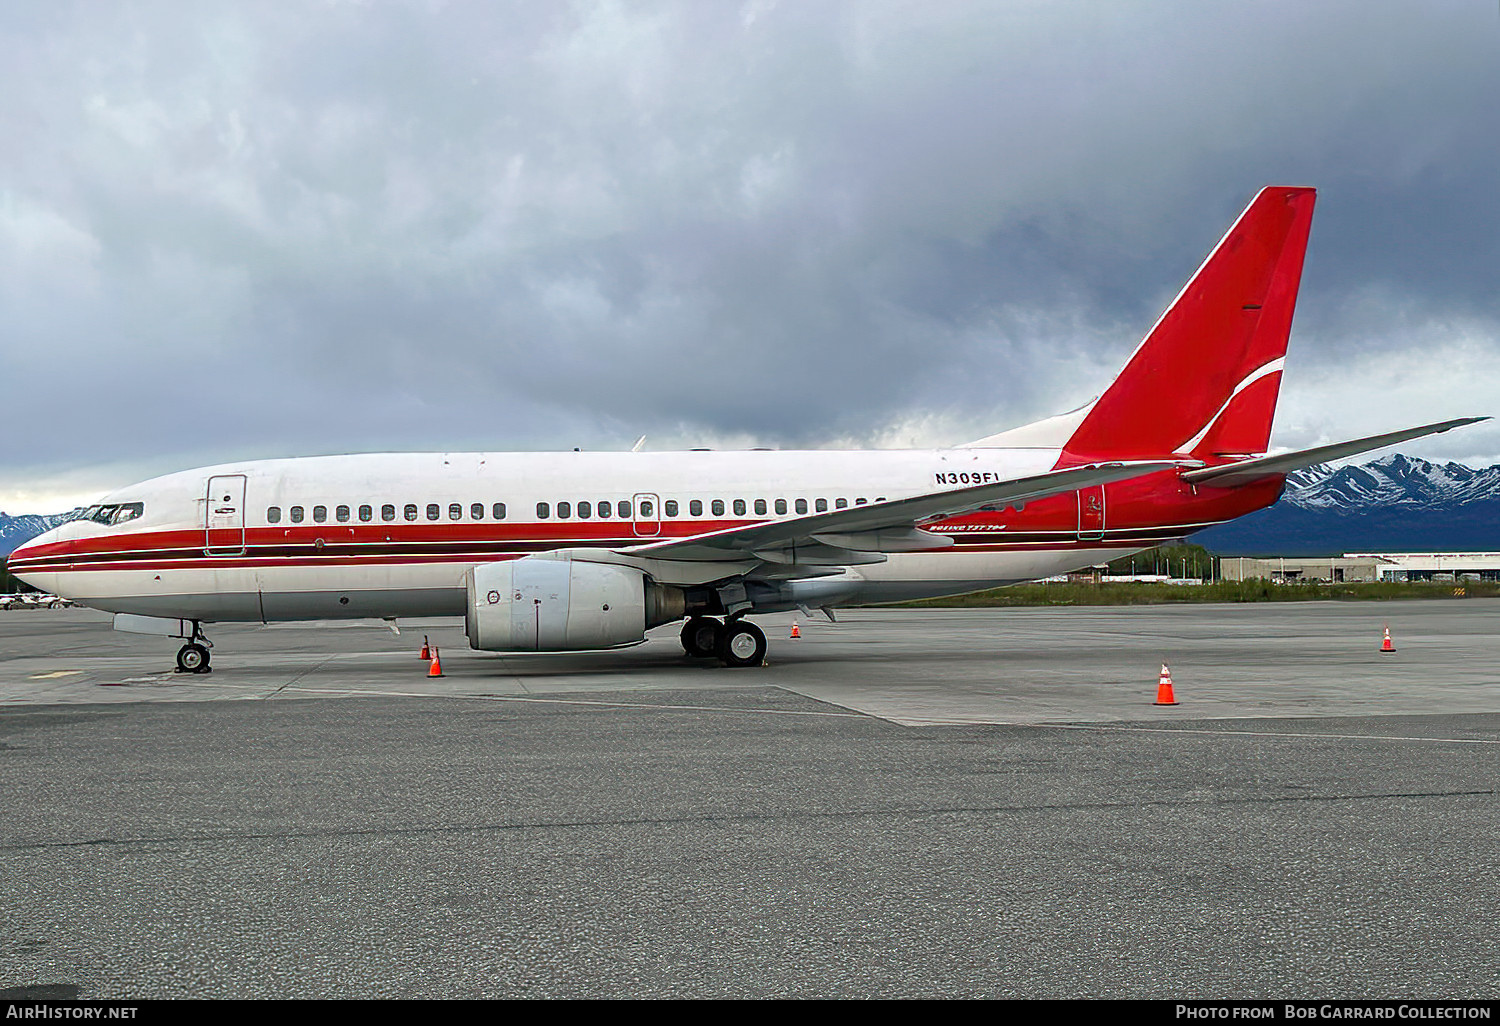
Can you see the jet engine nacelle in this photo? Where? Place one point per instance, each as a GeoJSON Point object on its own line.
{"type": "Point", "coordinates": [559, 605]}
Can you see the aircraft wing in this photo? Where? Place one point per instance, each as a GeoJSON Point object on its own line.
{"type": "Point", "coordinates": [844, 536]}
{"type": "Point", "coordinates": [1232, 474]}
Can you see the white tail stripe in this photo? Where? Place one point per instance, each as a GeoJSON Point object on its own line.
{"type": "Point", "coordinates": [1250, 379]}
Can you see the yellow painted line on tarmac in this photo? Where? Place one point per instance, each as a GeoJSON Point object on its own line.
{"type": "Point", "coordinates": [54, 674]}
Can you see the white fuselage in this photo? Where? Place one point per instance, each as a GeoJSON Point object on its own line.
{"type": "Point", "coordinates": [392, 534]}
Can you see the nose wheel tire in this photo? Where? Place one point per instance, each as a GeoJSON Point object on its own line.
{"type": "Point", "coordinates": [700, 636]}
{"type": "Point", "coordinates": [742, 644]}
{"type": "Point", "coordinates": [192, 658]}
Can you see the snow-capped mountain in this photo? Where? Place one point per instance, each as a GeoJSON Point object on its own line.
{"type": "Point", "coordinates": [1391, 481]}
{"type": "Point", "coordinates": [16, 531]}
{"type": "Point", "coordinates": [1393, 504]}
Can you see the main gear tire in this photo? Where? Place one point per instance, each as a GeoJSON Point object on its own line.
{"type": "Point", "coordinates": [743, 644]}
{"type": "Point", "coordinates": [700, 636]}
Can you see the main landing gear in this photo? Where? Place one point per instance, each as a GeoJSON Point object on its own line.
{"type": "Point", "coordinates": [193, 657]}
{"type": "Point", "coordinates": [735, 642]}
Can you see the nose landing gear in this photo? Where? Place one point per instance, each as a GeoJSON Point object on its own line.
{"type": "Point", "coordinates": [193, 657]}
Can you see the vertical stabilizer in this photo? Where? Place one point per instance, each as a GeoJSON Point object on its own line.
{"type": "Point", "coordinates": [1205, 380]}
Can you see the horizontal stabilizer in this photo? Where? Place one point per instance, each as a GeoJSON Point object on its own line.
{"type": "Point", "coordinates": [1246, 471]}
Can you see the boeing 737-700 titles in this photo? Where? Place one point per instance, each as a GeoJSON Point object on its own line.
{"type": "Point", "coordinates": [556, 552]}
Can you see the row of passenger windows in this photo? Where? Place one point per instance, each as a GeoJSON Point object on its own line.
{"type": "Point", "coordinates": [670, 508]}
{"type": "Point", "coordinates": [604, 509]}
{"type": "Point", "coordinates": [411, 511]}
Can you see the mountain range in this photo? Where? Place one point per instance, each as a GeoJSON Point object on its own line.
{"type": "Point", "coordinates": [15, 531]}
{"type": "Point", "coordinates": [1393, 504]}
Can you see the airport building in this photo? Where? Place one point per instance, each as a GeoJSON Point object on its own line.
{"type": "Point", "coordinates": [1435, 566]}
{"type": "Point", "coordinates": [1365, 567]}
{"type": "Point", "coordinates": [1335, 569]}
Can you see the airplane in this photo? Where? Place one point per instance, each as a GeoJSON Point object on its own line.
{"type": "Point", "coordinates": [572, 551]}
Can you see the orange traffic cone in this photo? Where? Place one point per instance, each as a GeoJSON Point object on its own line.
{"type": "Point", "coordinates": [796, 631]}
{"type": "Point", "coordinates": [426, 652]}
{"type": "Point", "coordinates": [1385, 644]}
{"type": "Point", "coordinates": [1164, 694]}
{"type": "Point", "coordinates": [436, 669]}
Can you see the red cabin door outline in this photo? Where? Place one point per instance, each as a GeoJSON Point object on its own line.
{"type": "Point", "coordinates": [1091, 513]}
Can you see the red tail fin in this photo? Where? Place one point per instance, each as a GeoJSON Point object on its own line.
{"type": "Point", "coordinates": [1205, 379]}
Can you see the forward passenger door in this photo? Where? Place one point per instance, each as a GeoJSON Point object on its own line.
{"type": "Point", "coordinates": [224, 516]}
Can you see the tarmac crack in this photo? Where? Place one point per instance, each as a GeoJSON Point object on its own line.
{"type": "Point", "coordinates": [747, 817]}
{"type": "Point", "coordinates": [311, 669]}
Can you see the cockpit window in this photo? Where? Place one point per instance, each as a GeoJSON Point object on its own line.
{"type": "Point", "coordinates": [114, 513]}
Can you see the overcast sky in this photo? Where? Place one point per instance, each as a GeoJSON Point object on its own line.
{"type": "Point", "coordinates": [269, 229]}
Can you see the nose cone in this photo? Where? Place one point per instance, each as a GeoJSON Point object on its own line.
{"type": "Point", "coordinates": [35, 561]}
{"type": "Point", "coordinates": [32, 547]}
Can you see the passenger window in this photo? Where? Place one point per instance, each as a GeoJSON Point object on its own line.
{"type": "Point", "coordinates": [366, 514]}
{"type": "Point", "coordinates": [320, 514]}
{"type": "Point", "coordinates": [434, 511]}
{"type": "Point", "coordinates": [476, 510]}
{"type": "Point", "coordinates": [760, 507]}
{"type": "Point", "coordinates": [341, 514]}
{"type": "Point", "coordinates": [498, 511]}
{"type": "Point", "coordinates": [670, 506]}
{"type": "Point", "coordinates": [801, 506]}
{"type": "Point", "coordinates": [646, 508]}
{"type": "Point", "coordinates": [456, 511]}
{"type": "Point", "coordinates": [273, 515]}
{"type": "Point", "coordinates": [718, 507]}
{"type": "Point", "coordinates": [410, 512]}
{"type": "Point", "coordinates": [780, 507]}
{"type": "Point", "coordinates": [624, 511]}
{"type": "Point", "coordinates": [564, 510]}
{"type": "Point", "coordinates": [296, 514]}
{"type": "Point", "coordinates": [822, 505]}
{"type": "Point", "coordinates": [695, 507]}
{"type": "Point", "coordinates": [604, 510]}
{"type": "Point", "coordinates": [861, 502]}
{"type": "Point", "coordinates": [584, 512]}
{"type": "Point", "coordinates": [543, 511]}
{"type": "Point", "coordinates": [739, 507]}
{"type": "Point", "coordinates": [840, 503]}
{"type": "Point", "coordinates": [388, 512]}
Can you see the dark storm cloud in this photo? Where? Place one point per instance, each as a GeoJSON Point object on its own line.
{"type": "Point", "coordinates": [257, 229]}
